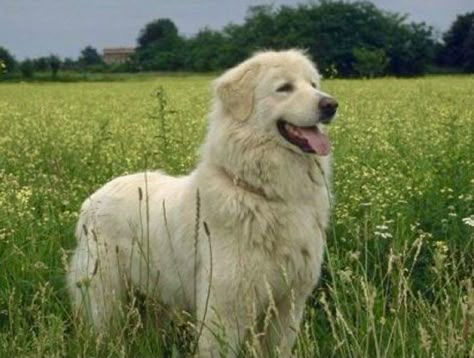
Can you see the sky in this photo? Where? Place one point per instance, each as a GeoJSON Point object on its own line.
{"type": "Point", "coordinates": [33, 28]}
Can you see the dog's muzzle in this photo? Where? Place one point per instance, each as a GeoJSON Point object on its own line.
{"type": "Point", "coordinates": [327, 107]}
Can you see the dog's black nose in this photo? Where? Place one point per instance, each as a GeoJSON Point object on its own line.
{"type": "Point", "coordinates": [328, 106]}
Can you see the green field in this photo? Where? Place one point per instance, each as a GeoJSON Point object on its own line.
{"type": "Point", "coordinates": [398, 279]}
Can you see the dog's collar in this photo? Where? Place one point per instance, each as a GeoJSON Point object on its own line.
{"type": "Point", "coordinates": [242, 183]}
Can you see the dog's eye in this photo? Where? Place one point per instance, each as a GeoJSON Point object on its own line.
{"type": "Point", "coordinates": [287, 87]}
{"type": "Point", "coordinates": [313, 84]}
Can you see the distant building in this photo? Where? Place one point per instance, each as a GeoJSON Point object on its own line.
{"type": "Point", "coordinates": [117, 54]}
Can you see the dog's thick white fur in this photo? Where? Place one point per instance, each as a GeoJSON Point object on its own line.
{"type": "Point", "coordinates": [264, 200]}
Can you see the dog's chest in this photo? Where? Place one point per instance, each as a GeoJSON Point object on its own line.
{"type": "Point", "coordinates": [280, 241]}
{"type": "Point", "coordinates": [292, 245]}
{"type": "Point", "coordinates": [299, 251]}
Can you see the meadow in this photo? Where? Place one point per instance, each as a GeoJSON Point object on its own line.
{"type": "Point", "coordinates": [398, 277]}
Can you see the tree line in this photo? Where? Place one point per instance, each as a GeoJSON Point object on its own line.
{"type": "Point", "coordinates": [346, 39]}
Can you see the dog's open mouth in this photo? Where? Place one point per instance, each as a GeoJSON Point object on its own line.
{"type": "Point", "coordinates": [308, 139]}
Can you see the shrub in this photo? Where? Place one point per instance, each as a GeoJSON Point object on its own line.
{"type": "Point", "coordinates": [369, 63]}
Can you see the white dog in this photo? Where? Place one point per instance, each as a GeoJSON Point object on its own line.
{"type": "Point", "coordinates": [239, 242]}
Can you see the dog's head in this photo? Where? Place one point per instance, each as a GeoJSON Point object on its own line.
{"type": "Point", "coordinates": [278, 94]}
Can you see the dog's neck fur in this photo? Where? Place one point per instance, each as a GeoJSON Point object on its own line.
{"type": "Point", "coordinates": [241, 183]}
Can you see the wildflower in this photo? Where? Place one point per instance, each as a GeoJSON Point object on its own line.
{"type": "Point", "coordinates": [440, 256]}
{"type": "Point", "coordinates": [354, 255]}
{"type": "Point", "coordinates": [39, 265]}
{"type": "Point", "coordinates": [383, 235]}
{"type": "Point", "coordinates": [382, 231]}
{"type": "Point", "coordinates": [345, 275]}
{"type": "Point", "coordinates": [469, 221]}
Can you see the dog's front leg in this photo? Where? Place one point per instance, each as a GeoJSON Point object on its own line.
{"type": "Point", "coordinates": [280, 335]}
{"type": "Point", "coordinates": [223, 327]}
{"type": "Point", "coordinates": [217, 341]}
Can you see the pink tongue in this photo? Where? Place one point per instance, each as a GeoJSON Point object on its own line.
{"type": "Point", "coordinates": [317, 140]}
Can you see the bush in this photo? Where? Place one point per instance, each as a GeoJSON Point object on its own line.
{"type": "Point", "coordinates": [369, 63]}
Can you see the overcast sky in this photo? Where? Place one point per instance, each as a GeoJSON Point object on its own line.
{"type": "Point", "coordinates": [32, 28]}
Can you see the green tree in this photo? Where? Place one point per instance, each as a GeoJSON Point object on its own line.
{"type": "Point", "coordinates": [54, 64]}
{"type": "Point", "coordinates": [369, 63]}
{"type": "Point", "coordinates": [160, 47]}
{"type": "Point", "coordinates": [458, 49]}
{"type": "Point", "coordinates": [468, 63]}
{"type": "Point", "coordinates": [331, 31]}
{"type": "Point", "coordinates": [69, 64]}
{"type": "Point", "coordinates": [205, 51]}
{"type": "Point", "coordinates": [7, 59]}
{"type": "Point", "coordinates": [27, 68]}
{"type": "Point", "coordinates": [410, 48]}
{"type": "Point", "coordinates": [41, 64]}
{"type": "Point", "coordinates": [161, 33]}
{"type": "Point", "coordinates": [90, 57]}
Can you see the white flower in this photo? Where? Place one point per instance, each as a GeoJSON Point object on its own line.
{"type": "Point", "coordinates": [469, 220]}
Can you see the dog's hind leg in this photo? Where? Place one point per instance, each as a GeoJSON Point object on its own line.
{"type": "Point", "coordinates": [96, 285]}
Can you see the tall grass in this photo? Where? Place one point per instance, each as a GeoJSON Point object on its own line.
{"type": "Point", "coordinates": [399, 270]}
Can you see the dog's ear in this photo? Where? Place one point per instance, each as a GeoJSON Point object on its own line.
{"type": "Point", "coordinates": [235, 89]}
